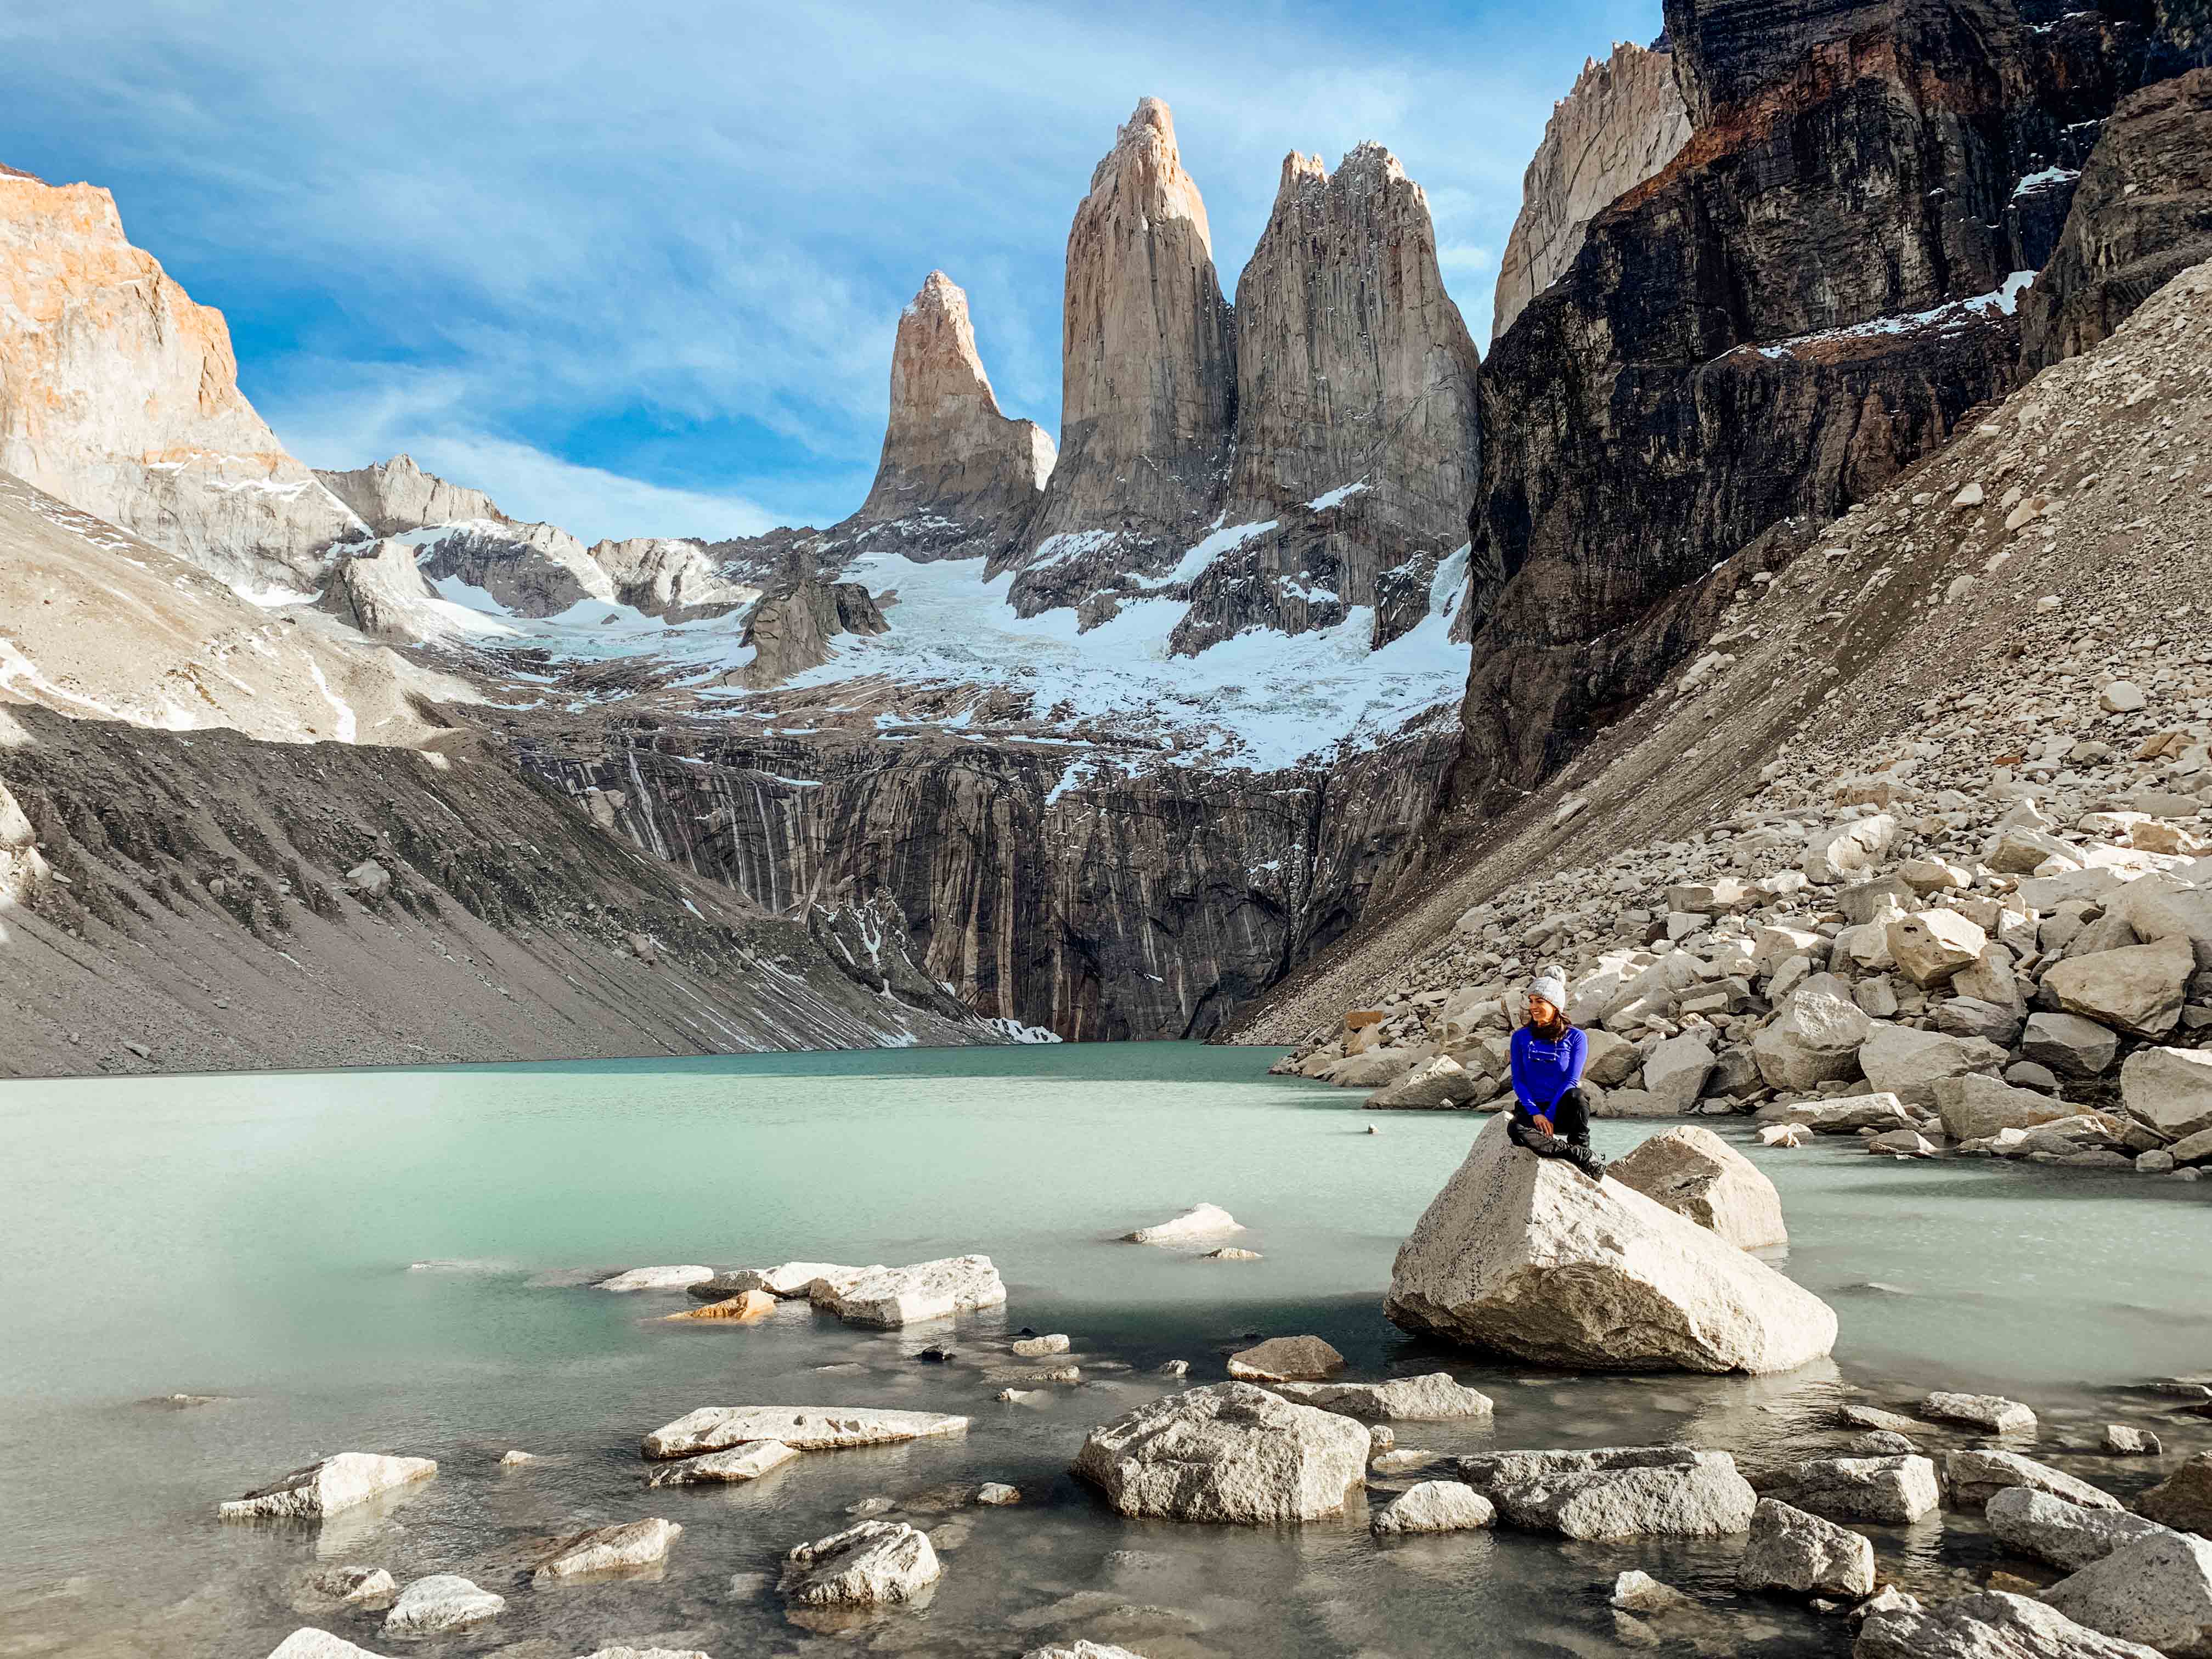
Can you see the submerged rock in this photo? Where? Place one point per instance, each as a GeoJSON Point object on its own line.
{"type": "Point", "coordinates": [808, 1428]}
{"type": "Point", "coordinates": [1434, 1506]}
{"type": "Point", "coordinates": [744, 1308]}
{"type": "Point", "coordinates": [625, 1547]}
{"type": "Point", "coordinates": [348, 1584]}
{"type": "Point", "coordinates": [1617, 1491]}
{"type": "Point", "coordinates": [1199, 1221]}
{"type": "Point", "coordinates": [1228, 1452]}
{"type": "Point", "coordinates": [324, 1487]}
{"type": "Point", "coordinates": [656, 1279]}
{"type": "Point", "coordinates": [443, 1601]}
{"type": "Point", "coordinates": [877, 1562]}
{"type": "Point", "coordinates": [1527, 1255]}
{"type": "Point", "coordinates": [1285, 1360]}
{"type": "Point", "coordinates": [1984, 1411]}
{"type": "Point", "coordinates": [1697, 1174]}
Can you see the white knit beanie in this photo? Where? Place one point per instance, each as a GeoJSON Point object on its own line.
{"type": "Point", "coordinates": [1551, 986]}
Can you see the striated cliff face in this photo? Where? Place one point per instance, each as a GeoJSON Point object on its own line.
{"type": "Point", "coordinates": [120, 396]}
{"type": "Point", "coordinates": [395, 497]}
{"type": "Point", "coordinates": [965, 476]}
{"type": "Point", "coordinates": [2141, 213]}
{"type": "Point", "coordinates": [1810, 296]}
{"type": "Point", "coordinates": [1357, 447]}
{"type": "Point", "coordinates": [1148, 379]}
{"type": "Point", "coordinates": [1623, 122]}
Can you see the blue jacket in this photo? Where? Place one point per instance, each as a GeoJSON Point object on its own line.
{"type": "Point", "coordinates": [1542, 1071]}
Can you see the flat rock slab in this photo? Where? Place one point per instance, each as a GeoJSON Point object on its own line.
{"type": "Point", "coordinates": [1229, 1452]}
{"type": "Point", "coordinates": [1842, 1114]}
{"type": "Point", "coordinates": [625, 1548]}
{"type": "Point", "coordinates": [328, 1486]}
{"type": "Point", "coordinates": [1200, 1221]}
{"type": "Point", "coordinates": [1802, 1554]}
{"type": "Point", "coordinates": [1699, 1177]}
{"type": "Point", "coordinates": [806, 1428]}
{"type": "Point", "coordinates": [2157, 1591]}
{"type": "Point", "coordinates": [2060, 1534]}
{"type": "Point", "coordinates": [443, 1601]}
{"type": "Point", "coordinates": [1618, 1492]}
{"type": "Point", "coordinates": [885, 1297]}
{"type": "Point", "coordinates": [657, 1278]}
{"type": "Point", "coordinates": [1990, 1625]}
{"type": "Point", "coordinates": [740, 1463]}
{"type": "Point", "coordinates": [1433, 1506]}
{"type": "Point", "coordinates": [1434, 1398]}
{"type": "Point", "coordinates": [1894, 1488]}
{"type": "Point", "coordinates": [1527, 1255]}
{"type": "Point", "coordinates": [875, 1563]}
{"type": "Point", "coordinates": [1975, 1477]}
{"type": "Point", "coordinates": [1285, 1360]}
{"type": "Point", "coordinates": [1982, 1411]}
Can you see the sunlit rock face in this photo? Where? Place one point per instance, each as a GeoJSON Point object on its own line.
{"type": "Point", "coordinates": [120, 396]}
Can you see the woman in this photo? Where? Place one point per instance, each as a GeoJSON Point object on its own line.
{"type": "Point", "coordinates": [1551, 1114]}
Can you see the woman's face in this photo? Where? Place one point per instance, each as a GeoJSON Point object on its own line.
{"type": "Point", "coordinates": [1540, 1013]}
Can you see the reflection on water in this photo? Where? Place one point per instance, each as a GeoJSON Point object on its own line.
{"type": "Point", "coordinates": [249, 1238]}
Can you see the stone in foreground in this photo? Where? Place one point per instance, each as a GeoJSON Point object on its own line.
{"type": "Point", "coordinates": [443, 1601]}
{"type": "Point", "coordinates": [1623, 1492]}
{"type": "Point", "coordinates": [1698, 1175]}
{"type": "Point", "coordinates": [876, 1563]}
{"type": "Point", "coordinates": [1982, 1411]}
{"type": "Point", "coordinates": [2059, 1533]}
{"type": "Point", "coordinates": [1199, 1221]}
{"type": "Point", "coordinates": [2157, 1591]}
{"type": "Point", "coordinates": [1229, 1452]}
{"type": "Point", "coordinates": [1285, 1360]}
{"type": "Point", "coordinates": [1529, 1256]}
{"type": "Point", "coordinates": [328, 1486]}
{"type": "Point", "coordinates": [807, 1428]}
{"type": "Point", "coordinates": [625, 1548]}
{"type": "Point", "coordinates": [1433, 1506]}
{"type": "Point", "coordinates": [1434, 1398]}
{"type": "Point", "coordinates": [1789, 1550]}
{"type": "Point", "coordinates": [308, 1642]}
{"type": "Point", "coordinates": [2184, 1499]}
{"type": "Point", "coordinates": [889, 1296]}
{"type": "Point", "coordinates": [1975, 1477]}
{"type": "Point", "coordinates": [740, 1463]}
{"type": "Point", "coordinates": [1894, 1489]}
{"type": "Point", "coordinates": [1990, 1626]}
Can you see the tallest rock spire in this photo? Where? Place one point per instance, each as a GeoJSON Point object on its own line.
{"type": "Point", "coordinates": [1148, 376]}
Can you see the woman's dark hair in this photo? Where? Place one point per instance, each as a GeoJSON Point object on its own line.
{"type": "Point", "coordinates": [1557, 1027]}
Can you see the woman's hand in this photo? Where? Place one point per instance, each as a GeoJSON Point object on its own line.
{"type": "Point", "coordinates": [1543, 1125]}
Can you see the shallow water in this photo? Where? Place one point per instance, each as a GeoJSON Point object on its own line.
{"type": "Point", "coordinates": [250, 1237]}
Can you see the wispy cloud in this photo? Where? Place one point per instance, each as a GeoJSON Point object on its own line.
{"type": "Point", "coordinates": [665, 247]}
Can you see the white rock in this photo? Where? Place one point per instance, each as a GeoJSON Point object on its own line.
{"type": "Point", "coordinates": [2138, 988]}
{"type": "Point", "coordinates": [807, 1428]}
{"type": "Point", "coordinates": [2066, 1535]}
{"type": "Point", "coordinates": [1835, 852]}
{"type": "Point", "coordinates": [886, 1297]}
{"type": "Point", "coordinates": [1081, 1650]}
{"type": "Point", "coordinates": [2121, 698]}
{"type": "Point", "coordinates": [1228, 1452]}
{"type": "Point", "coordinates": [350, 1583]}
{"type": "Point", "coordinates": [739, 1463]}
{"type": "Point", "coordinates": [1891, 1488]}
{"type": "Point", "coordinates": [1619, 1491]}
{"type": "Point", "coordinates": [1676, 1071]}
{"type": "Point", "coordinates": [1974, 1106]}
{"type": "Point", "coordinates": [1527, 1256]}
{"type": "Point", "coordinates": [1908, 1063]}
{"type": "Point", "coordinates": [625, 1547]}
{"type": "Point", "coordinates": [308, 1642]}
{"type": "Point", "coordinates": [1037, 1347]}
{"type": "Point", "coordinates": [1433, 1398]}
{"type": "Point", "coordinates": [1636, 1591]}
{"type": "Point", "coordinates": [1984, 1411]}
{"type": "Point", "coordinates": [1973, 1477]}
{"type": "Point", "coordinates": [1839, 1114]}
{"type": "Point", "coordinates": [1433, 1506]}
{"type": "Point", "coordinates": [2169, 1089]}
{"type": "Point", "coordinates": [1990, 1626]}
{"type": "Point", "coordinates": [443, 1601]}
{"type": "Point", "coordinates": [1789, 1550]}
{"type": "Point", "coordinates": [1815, 1040]}
{"type": "Point", "coordinates": [1697, 1174]}
{"type": "Point", "coordinates": [875, 1563]}
{"type": "Point", "coordinates": [656, 1279]}
{"type": "Point", "coordinates": [2157, 1591]}
{"type": "Point", "coordinates": [1199, 1221]}
{"type": "Point", "coordinates": [324, 1487]}
{"type": "Point", "coordinates": [1935, 947]}
{"type": "Point", "coordinates": [789, 1280]}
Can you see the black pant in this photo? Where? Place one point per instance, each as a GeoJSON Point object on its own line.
{"type": "Point", "coordinates": [1570, 1116]}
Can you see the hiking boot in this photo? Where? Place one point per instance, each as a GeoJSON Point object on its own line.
{"type": "Point", "coordinates": [1584, 1157]}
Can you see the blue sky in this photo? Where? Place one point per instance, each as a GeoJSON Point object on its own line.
{"type": "Point", "coordinates": [636, 268]}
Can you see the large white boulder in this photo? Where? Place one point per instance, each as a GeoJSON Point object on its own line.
{"type": "Point", "coordinates": [808, 1428]}
{"type": "Point", "coordinates": [1229, 1452]}
{"type": "Point", "coordinates": [2138, 988]}
{"type": "Point", "coordinates": [875, 1563]}
{"type": "Point", "coordinates": [657, 1278]}
{"type": "Point", "coordinates": [1676, 1071]}
{"type": "Point", "coordinates": [1840, 850]}
{"type": "Point", "coordinates": [1976, 1105]}
{"type": "Point", "coordinates": [308, 1642]}
{"type": "Point", "coordinates": [1815, 1039]}
{"type": "Point", "coordinates": [1433, 1506]}
{"type": "Point", "coordinates": [1438, 1085]}
{"type": "Point", "coordinates": [1990, 1626]}
{"type": "Point", "coordinates": [1803, 1555]}
{"type": "Point", "coordinates": [1908, 1063]}
{"type": "Point", "coordinates": [2157, 1591]}
{"type": "Point", "coordinates": [1934, 947]}
{"type": "Point", "coordinates": [1698, 1175]}
{"type": "Point", "coordinates": [329, 1485]}
{"type": "Point", "coordinates": [2066, 1535]}
{"type": "Point", "coordinates": [890, 1297]}
{"type": "Point", "coordinates": [1198, 1222]}
{"type": "Point", "coordinates": [787, 1280]}
{"type": "Point", "coordinates": [2169, 1089]}
{"type": "Point", "coordinates": [1617, 1491]}
{"type": "Point", "coordinates": [1529, 1256]}
{"type": "Point", "coordinates": [1894, 1487]}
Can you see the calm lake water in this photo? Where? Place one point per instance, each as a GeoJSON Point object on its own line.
{"type": "Point", "coordinates": [250, 1237]}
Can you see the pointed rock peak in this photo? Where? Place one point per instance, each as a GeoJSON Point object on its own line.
{"type": "Point", "coordinates": [1144, 171]}
{"type": "Point", "coordinates": [935, 356]}
{"type": "Point", "coordinates": [1370, 160]}
{"type": "Point", "coordinates": [1302, 176]}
